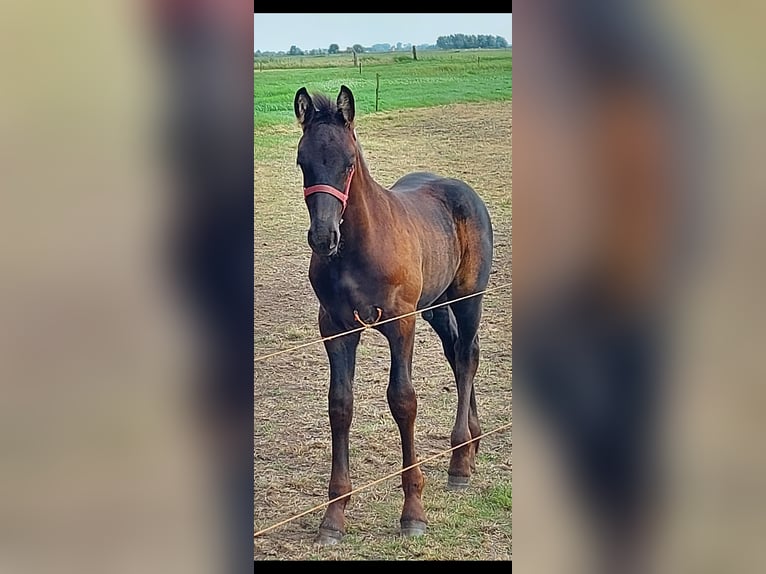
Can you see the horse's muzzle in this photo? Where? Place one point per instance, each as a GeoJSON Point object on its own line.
{"type": "Point", "coordinates": [324, 244]}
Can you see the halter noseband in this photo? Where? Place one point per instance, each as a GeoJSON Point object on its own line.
{"type": "Point", "coordinates": [334, 191]}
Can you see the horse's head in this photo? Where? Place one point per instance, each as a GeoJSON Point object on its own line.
{"type": "Point", "coordinates": [326, 155]}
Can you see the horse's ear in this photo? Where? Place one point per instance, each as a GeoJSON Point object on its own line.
{"type": "Point", "coordinates": [346, 105]}
{"type": "Point", "coordinates": [304, 107]}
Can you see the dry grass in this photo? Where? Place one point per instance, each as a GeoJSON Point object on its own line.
{"type": "Point", "coordinates": [292, 438]}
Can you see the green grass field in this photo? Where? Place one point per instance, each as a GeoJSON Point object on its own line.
{"type": "Point", "coordinates": [436, 78]}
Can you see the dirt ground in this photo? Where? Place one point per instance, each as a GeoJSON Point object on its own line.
{"type": "Point", "coordinates": [291, 428]}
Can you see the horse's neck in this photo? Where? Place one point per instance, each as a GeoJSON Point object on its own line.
{"type": "Point", "coordinates": [367, 204]}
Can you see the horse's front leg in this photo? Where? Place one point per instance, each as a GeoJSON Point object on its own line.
{"type": "Point", "coordinates": [342, 355]}
{"type": "Point", "coordinates": [404, 407]}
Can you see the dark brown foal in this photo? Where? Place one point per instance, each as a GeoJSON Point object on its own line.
{"type": "Point", "coordinates": [377, 254]}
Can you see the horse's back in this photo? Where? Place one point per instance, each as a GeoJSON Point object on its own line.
{"type": "Point", "coordinates": [456, 194]}
{"type": "Point", "coordinates": [459, 198]}
{"type": "Point", "coordinates": [452, 204]}
{"type": "Point", "coordinates": [414, 181]}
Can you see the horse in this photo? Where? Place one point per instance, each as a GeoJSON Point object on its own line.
{"type": "Point", "coordinates": [379, 253]}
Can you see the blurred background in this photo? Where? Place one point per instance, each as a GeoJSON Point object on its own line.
{"type": "Point", "coordinates": [127, 278]}
{"type": "Point", "coordinates": [127, 271]}
{"type": "Point", "coordinates": [638, 268]}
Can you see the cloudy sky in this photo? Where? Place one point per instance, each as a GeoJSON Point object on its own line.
{"type": "Point", "coordinates": [274, 32]}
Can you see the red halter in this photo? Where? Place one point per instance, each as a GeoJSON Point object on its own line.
{"type": "Point", "coordinates": [335, 192]}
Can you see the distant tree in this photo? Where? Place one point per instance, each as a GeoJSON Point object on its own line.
{"type": "Point", "coordinates": [257, 52]}
{"type": "Point", "coordinates": [295, 51]}
{"type": "Point", "coordinates": [358, 48]}
{"type": "Point", "coordinates": [333, 49]}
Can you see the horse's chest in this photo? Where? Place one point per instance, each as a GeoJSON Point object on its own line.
{"type": "Point", "coordinates": [342, 292]}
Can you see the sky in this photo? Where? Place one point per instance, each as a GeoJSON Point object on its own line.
{"type": "Point", "coordinates": [275, 32]}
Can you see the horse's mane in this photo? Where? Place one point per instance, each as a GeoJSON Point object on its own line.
{"type": "Point", "coordinates": [326, 110]}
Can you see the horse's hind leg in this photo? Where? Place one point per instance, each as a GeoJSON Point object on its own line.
{"type": "Point", "coordinates": [443, 322]}
{"type": "Point", "coordinates": [442, 319]}
{"type": "Point", "coordinates": [474, 426]}
{"type": "Point", "coordinates": [463, 462]}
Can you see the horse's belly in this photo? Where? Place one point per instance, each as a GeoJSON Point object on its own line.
{"type": "Point", "coordinates": [439, 263]}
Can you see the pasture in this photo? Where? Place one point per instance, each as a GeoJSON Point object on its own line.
{"type": "Point", "coordinates": [447, 114]}
{"type": "Point", "coordinates": [436, 78]}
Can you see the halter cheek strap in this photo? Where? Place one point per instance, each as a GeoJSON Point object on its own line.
{"type": "Point", "coordinates": [335, 192]}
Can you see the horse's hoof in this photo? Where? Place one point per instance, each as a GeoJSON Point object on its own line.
{"type": "Point", "coordinates": [412, 528]}
{"type": "Point", "coordinates": [457, 482]}
{"type": "Point", "coordinates": [328, 537]}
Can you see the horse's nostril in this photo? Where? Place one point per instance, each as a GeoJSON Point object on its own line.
{"type": "Point", "coordinates": [323, 243]}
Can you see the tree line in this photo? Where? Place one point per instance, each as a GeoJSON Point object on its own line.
{"type": "Point", "coordinates": [464, 41]}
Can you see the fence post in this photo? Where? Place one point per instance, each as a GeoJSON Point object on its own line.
{"type": "Point", "coordinates": [377, 89]}
{"type": "Point", "coordinates": [414, 53]}
{"type": "Point", "coordinates": [260, 66]}
{"type": "Point", "coordinates": [360, 65]}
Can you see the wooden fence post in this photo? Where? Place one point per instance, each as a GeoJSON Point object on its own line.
{"type": "Point", "coordinates": [414, 54]}
{"type": "Point", "coordinates": [360, 65]}
{"type": "Point", "coordinates": [377, 89]}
